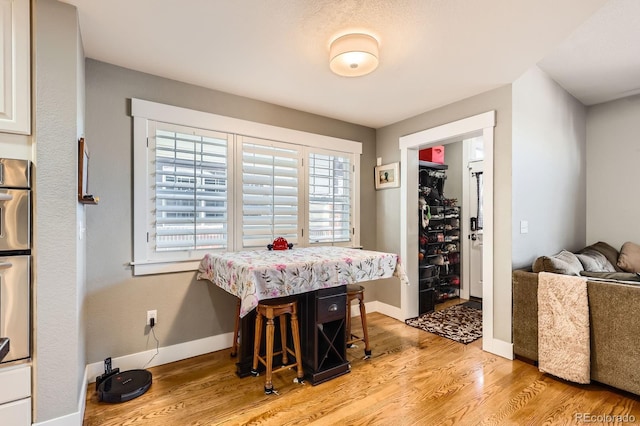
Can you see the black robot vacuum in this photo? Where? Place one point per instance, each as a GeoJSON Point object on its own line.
{"type": "Point", "coordinates": [125, 386]}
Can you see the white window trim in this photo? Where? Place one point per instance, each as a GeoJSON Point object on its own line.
{"type": "Point", "coordinates": [142, 111]}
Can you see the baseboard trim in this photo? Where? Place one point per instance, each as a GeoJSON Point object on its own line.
{"type": "Point", "coordinates": [180, 351]}
{"type": "Point", "coordinates": [166, 354]}
{"type": "Point", "coordinates": [376, 306]}
{"type": "Point", "coordinates": [193, 348]}
{"type": "Point", "coordinates": [388, 310]}
{"type": "Point", "coordinates": [72, 419]}
{"type": "Point", "coordinates": [498, 347]}
{"type": "Point", "coordinates": [185, 350]}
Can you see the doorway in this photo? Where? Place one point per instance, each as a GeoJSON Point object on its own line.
{"type": "Point", "coordinates": [481, 125]}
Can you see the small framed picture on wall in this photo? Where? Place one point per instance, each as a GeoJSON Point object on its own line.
{"type": "Point", "coordinates": [387, 176]}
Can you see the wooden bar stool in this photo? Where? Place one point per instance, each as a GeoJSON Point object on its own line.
{"type": "Point", "coordinates": [271, 309]}
{"type": "Point", "coordinates": [355, 291]}
{"type": "Point", "coordinates": [278, 244]}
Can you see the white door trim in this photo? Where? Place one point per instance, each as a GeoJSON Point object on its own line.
{"type": "Point", "coordinates": [481, 124]}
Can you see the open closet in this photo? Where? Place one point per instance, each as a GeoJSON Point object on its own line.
{"type": "Point", "coordinates": [439, 251]}
{"type": "Point", "coordinates": [450, 222]}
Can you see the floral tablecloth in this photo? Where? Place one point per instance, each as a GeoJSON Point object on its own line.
{"type": "Point", "coordinates": [263, 274]}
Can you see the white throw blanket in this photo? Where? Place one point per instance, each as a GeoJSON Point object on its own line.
{"type": "Point", "coordinates": [563, 327]}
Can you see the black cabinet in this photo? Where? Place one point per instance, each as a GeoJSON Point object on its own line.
{"type": "Point", "coordinates": [426, 299]}
{"type": "Point", "coordinates": [323, 333]}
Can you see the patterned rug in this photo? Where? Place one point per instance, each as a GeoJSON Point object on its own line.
{"type": "Point", "coordinates": [473, 304]}
{"type": "Point", "coordinates": [460, 323]}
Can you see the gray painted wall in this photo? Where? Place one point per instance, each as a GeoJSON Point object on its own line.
{"type": "Point", "coordinates": [549, 163]}
{"type": "Point", "coordinates": [388, 227]}
{"type": "Point", "coordinates": [187, 309]}
{"type": "Point", "coordinates": [613, 172]}
{"type": "Point", "coordinates": [59, 352]}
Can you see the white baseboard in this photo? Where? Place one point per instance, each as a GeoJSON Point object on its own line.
{"type": "Point", "coordinates": [193, 348]}
{"type": "Point", "coordinates": [166, 354]}
{"type": "Point", "coordinates": [72, 419]}
{"type": "Point", "coordinates": [498, 347]}
{"type": "Point", "coordinates": [376, 306]}
{"type": "Point", "coordinates": [388, 310]}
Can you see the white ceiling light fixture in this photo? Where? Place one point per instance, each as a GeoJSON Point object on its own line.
{"type": "Point", "coordinates": [353, 55]}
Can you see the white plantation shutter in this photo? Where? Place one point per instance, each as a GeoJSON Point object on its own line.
{"type": "Point", "coordinates": [270, 192]}
{"type": "Point", "coordinates": [330, 189]}
{"type": "Point", "coordinates": [190, 191]}
{"type": "Point", "coordinates": [202, 184]}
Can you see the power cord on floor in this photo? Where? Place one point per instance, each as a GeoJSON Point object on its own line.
{"type": "Point", "coordinates": [152, 324]}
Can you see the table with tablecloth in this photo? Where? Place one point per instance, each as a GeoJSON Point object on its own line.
{"type": "Point", "coordinates": [263, 274]}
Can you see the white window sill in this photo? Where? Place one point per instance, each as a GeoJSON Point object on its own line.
{"type": "Point", "coordinates": [152, 268]}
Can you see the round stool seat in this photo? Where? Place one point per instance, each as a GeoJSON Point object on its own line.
{"type": "Point", "coordinates": [354, 288]}
{"type": "Point", "coordinates": [285, 305]}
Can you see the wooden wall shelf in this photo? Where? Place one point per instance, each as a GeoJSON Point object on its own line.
{"type": "Point", "coordinates": [88, 200]}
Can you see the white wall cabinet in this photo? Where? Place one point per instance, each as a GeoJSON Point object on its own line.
{"type": "Point", "coordinates": [15, 67]}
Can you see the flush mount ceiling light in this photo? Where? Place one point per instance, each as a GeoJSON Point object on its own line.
{"type": "Point", "coordinates": [353, 55]}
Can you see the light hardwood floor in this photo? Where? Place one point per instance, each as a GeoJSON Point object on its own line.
{"type": "Point", "coordinates": [413, 378]}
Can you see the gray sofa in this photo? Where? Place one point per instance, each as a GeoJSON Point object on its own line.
{"type": "Point", "coordinates": [614, 311]}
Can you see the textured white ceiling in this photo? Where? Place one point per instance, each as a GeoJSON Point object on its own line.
{"type": "Point", "coordinates": [600, 61]}
{"type": "Point", "coordinates": [433, 52]}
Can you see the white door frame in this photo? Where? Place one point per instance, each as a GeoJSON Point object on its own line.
{"type": "Point", "coordinates": [481, 124]}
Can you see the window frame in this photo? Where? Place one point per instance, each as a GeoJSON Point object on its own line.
{"type": "Point", "coordinates": [143, 112]}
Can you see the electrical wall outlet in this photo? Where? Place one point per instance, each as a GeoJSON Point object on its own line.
{"type": "Point", "coordinates": [152, 314]}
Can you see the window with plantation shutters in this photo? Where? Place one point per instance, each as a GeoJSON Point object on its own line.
{"type": "Point", "coordinates": [204, 183]}
{"type": "Point", "coordinates": [330, 206]}
{"type": "Point", "coordinates": [190, 189]}
{"type": "Point", "coordinates": [270, 192]}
